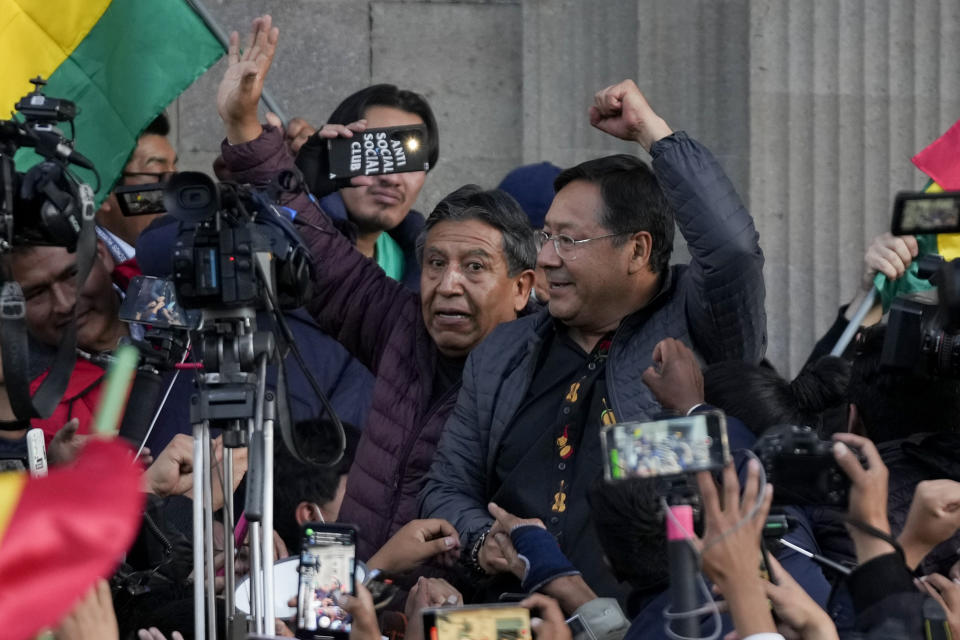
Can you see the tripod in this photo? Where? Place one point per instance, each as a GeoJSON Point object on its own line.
{"type": "Point", "coordinates": [232, 396]}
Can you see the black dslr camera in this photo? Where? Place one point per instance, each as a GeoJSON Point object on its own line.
{"type": "Point", "coordinates": [923, 329]}
{"type": "Point", "coordinates": [801, 467]}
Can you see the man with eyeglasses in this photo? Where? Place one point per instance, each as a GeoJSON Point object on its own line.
{"type": "Point", "coordinates": [525, 432]}
{"type": "Point", "coordinates": [153, 160]}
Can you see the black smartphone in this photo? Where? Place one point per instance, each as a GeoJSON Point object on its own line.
{"type": "Point", "coordinates": [378, 152]}
{"type": "Point", "coordinates": [503, 622]}
{"type": "Point", "coordinates": [665, 447]}
{"type": "Point", "coordinates": [917, 212]}
{"type": "Point", "coordinates": [327, 565]}
{"type": "Point", "coordinates": [153, 301]}
{"type": "Point", "coordinates": [141, 199]}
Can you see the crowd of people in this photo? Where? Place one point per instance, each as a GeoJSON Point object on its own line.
{"type": "Point", "coordinates": [473, 356]}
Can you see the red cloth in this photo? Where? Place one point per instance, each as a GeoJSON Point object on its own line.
{"type": "Point", "coordinates": [941, 159]}
{"type": "Point", "coordinates": [68, 529]}
{"type": "Point", "coordinates": [79, 400]}
{"type": "Point", "coordinates": [124, 272]}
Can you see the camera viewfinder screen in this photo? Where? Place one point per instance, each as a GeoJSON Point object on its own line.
{"type": "Point", "coordinates": [326, 571]}
{"type": "Point", "coordinates": [143, 202]}
{"type": "Point", "coordinates": [931, 214]}
{"type": "Point", "coordinates": [928, 214]}
{"type": "Point", "coordinates": [665, 447]}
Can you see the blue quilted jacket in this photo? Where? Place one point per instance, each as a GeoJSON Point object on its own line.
{"type": "Point", "coordinates": [714, 305]}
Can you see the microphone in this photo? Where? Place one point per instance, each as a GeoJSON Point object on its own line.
{"type": "Point", "coordinates": [683, 571]}
{"type": "Point", "coordinates": [144, 398]}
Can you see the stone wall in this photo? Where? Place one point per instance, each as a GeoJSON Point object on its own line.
{"type": "Point", "coordinates": [813, 106]}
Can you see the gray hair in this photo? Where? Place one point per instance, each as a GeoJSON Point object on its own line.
{"type": "Point", "coordinates": [493, 207]}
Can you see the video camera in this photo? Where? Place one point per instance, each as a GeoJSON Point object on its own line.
{"type": "Point", "coordinates": [45, 205]}
{"type": "Point", "coordinates": [923, 329]}
{"type": "Point", "coordinates": [234, 253]}
{"type": "Point", "coordinates": [228, 234]}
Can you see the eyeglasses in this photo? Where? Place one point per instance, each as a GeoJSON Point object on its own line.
{"type": "Point", "coordinates": [565, 245]}
{"type": "Point", "coordinates": [155, 176]}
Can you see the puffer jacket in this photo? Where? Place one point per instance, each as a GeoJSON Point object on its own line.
{"type": "Point", "coordinates": [379, 322]}
{"type": "Point", "coordinates": [714, 305]}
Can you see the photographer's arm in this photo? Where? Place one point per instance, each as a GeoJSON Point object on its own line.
{"type": "Point", "coordinates": [868, 494]}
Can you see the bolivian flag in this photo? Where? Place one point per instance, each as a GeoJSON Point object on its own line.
{"type": "Point", "coordinates": [59, 533]}
{"type": "Point", "coordinates": [941, 161]}
{"type": "Point", "coordinates": [121, 61]}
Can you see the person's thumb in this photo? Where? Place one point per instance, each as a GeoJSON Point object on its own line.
{"type": "Point", "coordinates": [274, 120]}
{"type": "Point", "coordinates": [69, 429]}
{"type": "Point", "coordinates": [651, 376]}
{"type": "Point", "coordinates": [848, 461]}
{"type": "Point", "coordinates": [440, 545]}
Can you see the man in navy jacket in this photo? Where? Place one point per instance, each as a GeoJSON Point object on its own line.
{"type": "Point", "coordinates": [524, 433]}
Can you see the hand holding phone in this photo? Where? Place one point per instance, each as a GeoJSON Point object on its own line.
{"type": "Point", "coordinates": [340, 156]}
{"type": "Point", "coordinates": [327, 565]}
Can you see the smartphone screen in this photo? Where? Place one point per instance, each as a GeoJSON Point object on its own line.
{"type": "Point", "coordinates": [153, 301]}
{"type": "Point", "coordinates": [379, 152]}
{"type": "Point", "coordinates": [327, 558]}
{"type": "Point", "coordinates": [497, 622]}
{"type": "Point", "coordinates": [665, 447]}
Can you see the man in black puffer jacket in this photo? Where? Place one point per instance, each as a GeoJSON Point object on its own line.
{"type": "Point", "coordinates": [525, 429]}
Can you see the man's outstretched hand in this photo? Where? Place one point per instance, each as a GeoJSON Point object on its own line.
{"type": "Point", "coordinates": [242, 83]}
{"type": "Point", "coordinates": [415, 543]}
{"type": "Point", "coordinates": [623, 112]}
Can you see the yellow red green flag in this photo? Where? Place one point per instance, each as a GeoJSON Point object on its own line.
{"type": "Point", "coordinates": [121, 61]}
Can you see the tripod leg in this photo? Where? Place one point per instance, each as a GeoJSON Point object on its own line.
{"type": "Point", "coordinates": [229, 590]}
{"type": "Point", "coordinates": [198, 564]}
{"type": "Point", "coordinates": [267, 489]}
{"type": "Point", "coordinates": [208, 531]}
{"type": "Point", "coordinates": [256, 577]}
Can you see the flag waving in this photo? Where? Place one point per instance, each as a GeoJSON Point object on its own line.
{"type": "Point", "coordinates": [60, 533]}
{"type": "Point", "coordinates": [121, 61]}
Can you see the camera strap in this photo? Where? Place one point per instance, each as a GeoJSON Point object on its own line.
{"type": "Point", "coordinates": [13, 332]}
{"type": "Point", "coordinates": [877, 533]}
